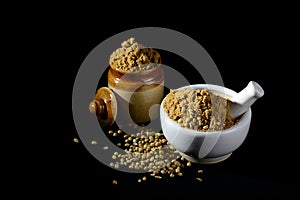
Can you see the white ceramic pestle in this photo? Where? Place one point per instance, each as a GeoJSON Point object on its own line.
{"type": "Point", "coordinates": [245, 98]}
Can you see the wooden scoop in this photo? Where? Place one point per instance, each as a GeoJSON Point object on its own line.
{"type": "Point", "coordinates": [241, 102]}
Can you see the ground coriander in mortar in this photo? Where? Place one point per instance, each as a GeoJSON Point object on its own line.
{"type": "Point", "coordinates": [198, 110]}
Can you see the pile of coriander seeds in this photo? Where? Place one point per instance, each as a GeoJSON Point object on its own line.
{"type": "Point", "coordinates": [149, 151]}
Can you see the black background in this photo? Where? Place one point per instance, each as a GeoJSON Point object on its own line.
{"type": "Point", "coordinates": [265, 166]}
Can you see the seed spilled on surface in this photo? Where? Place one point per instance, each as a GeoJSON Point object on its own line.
{"type": "Point", "coordinates": [149, 151]}
{"type": "Point", "coordinates": [94, 142]}
{"type": "Point", "coordinates": [75, 140]}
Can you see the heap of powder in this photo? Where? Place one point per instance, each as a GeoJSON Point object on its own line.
{"type": "Point", "coordinates": [133, 57]}
{"type": "Point", "coordinates": [198, 110]}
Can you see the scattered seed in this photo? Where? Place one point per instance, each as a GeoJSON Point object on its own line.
{"type": "Point", "coordinates": [94, 142]}
{"type": "Point", "coordinates": [115, 182]}
{"type": "Point", "coordinates": [199, 179]}
{"type": "Point", "coordinates": [115, 134]}
{"type": "Point", "coordinates": [200, 171]}
{"type": "Point", "coordinates": [75, 140]}
{"type": "Point", "coordinates": [105, 147]}
{"type": "Point", "coordinates": [110, 132]}
{"type": "Point", "coordinates": [144, 152]}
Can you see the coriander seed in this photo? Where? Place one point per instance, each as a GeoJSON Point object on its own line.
{"type": "Point", "coordinates": [75, 140]}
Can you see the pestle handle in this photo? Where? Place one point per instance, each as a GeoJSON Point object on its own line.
{"type": "Point", "coordinates": [241, 102]}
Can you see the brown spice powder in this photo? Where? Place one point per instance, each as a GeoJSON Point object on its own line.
{"type": "Point", "coordinates": [133, 57]}
{"type": "Point", "coordinates": [198, 110]}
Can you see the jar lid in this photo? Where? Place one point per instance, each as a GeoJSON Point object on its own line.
{"type": "Point", "coordinates": [105, 106]}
